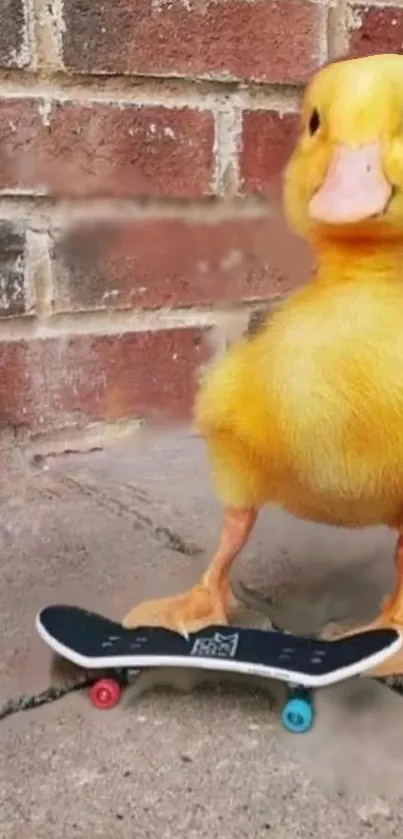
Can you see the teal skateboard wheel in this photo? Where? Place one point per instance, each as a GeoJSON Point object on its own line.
{"type": "Point", "coordinates": [297, 715]}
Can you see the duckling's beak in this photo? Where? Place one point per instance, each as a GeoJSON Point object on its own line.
{"type": "Point", "coordinates": [355, 187]}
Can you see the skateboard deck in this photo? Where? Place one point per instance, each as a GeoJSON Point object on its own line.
{"type": "Point", "coordinates": [97, 643]}
{"type": "Point", "coordinates": [94, 642]}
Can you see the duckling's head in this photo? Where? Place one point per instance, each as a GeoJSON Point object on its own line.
{"type": "Point", "coordinates": [345, 178]}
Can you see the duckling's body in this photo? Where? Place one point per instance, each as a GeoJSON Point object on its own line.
{"type": "Point", "coordinates": [314, 405]}
{"type": "Point", "coordinates": [308, 414]}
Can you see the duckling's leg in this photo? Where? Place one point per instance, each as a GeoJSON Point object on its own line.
{"type": "Point", "coordinates": [391, 614]}
{"type": "Point", "coordinates": [207, 602]}
{"type": "Point", "coordinates": [392, 606]}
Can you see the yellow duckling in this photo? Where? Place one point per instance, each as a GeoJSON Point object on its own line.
{"type": "Point", "coordinates": [308, 413]}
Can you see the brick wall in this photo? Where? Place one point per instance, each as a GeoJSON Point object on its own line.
{"type": "Point", "coordinates": [139, 140]}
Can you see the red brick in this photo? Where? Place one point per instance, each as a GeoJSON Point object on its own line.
{"type": "Point", "coordinates": [269, 40]}
{"type": "Point", "coordinates": [268, 139]}
{"type": "Point", "coordinates": [64, 381]}
{"type": "Point", "coordinates": [101, 150]}
{"type": "Point", "coordinates": [167, 262]}
{"type": "Point", "coordinates": [380, 30]}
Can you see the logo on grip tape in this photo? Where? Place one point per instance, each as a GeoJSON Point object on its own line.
{"type": "Point", "coordinates": [217, 646]}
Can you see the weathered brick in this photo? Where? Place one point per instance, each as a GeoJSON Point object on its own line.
{"type": "Point", "coordinates": [166, 262]}
{"type": "Point", "coordinates": [101, 150]}
{"type": "Point", "coordinates": [65, 381]}
{"type": "Point", "coordinates": [13, 293]}
{"type": "Point", "coordinates": [14, 48]}
{"type": "Point", "coordinates": [269, 40]}
{"type": "Point", "coordinates": [375, 29]}
{"type": "Point", "coordinates": [268, 139]}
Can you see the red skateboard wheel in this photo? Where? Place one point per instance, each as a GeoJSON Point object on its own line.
{"type": "Point", "coordinates": [105, 694]}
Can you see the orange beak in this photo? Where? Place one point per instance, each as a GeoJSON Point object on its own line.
{"type": "Point", "coordinates": [355, 187]}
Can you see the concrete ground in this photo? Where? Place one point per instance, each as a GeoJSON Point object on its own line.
{"type": "Point", "coordinates": [181, 759]}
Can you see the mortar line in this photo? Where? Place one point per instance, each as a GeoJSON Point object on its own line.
{"type": "Point", "coordinates": [338, 30]}
{"type": "Point", "coordinates": [227, 140]}
{"type": "Point", "coordinates": [113, 322]}
{"type": "Point", "coordinates": [25, 55]}
{"type": "Point", "coordinates": [143, 92]}
{"type": "Point", "coordinates": [41, 209]}
{"type": "Point", "coordinates": [379, 4]}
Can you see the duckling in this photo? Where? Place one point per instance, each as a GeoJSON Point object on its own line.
{"type": "Point", "coordinates": [307, 414]}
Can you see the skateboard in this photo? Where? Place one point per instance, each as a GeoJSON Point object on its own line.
{"type": "Point", "coordinates": [118, 655]}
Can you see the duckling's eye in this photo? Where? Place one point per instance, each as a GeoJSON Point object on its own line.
{"type": "Point", "coordinates": [314, 122]}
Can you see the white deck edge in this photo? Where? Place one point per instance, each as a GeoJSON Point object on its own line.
{"type": "Point", "coordinates": [222, 665]}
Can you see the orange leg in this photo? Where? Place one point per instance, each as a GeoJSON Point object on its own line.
{"type": "Point", "coordinates": [208, 601]}
{"type": "Point", "coordinates": [392, 607]}
{"type": "Point", "coordinates": [391, 614]}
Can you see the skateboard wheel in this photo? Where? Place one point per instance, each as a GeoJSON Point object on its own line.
{"type": "Point", "coordinates": [297, 715]}
{"type": "Point", "coordinates": [105, 694]}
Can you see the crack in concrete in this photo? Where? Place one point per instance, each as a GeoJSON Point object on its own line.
{"type": "Point", "coordinates": [394, 683]}
{"type": "Point", "coordinates": [26, 702]}
{"type": "Point", "coordinates": [168, 537]}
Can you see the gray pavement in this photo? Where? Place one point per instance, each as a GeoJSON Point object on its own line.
{"type": "Point", "coordinates": [181, 758]}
